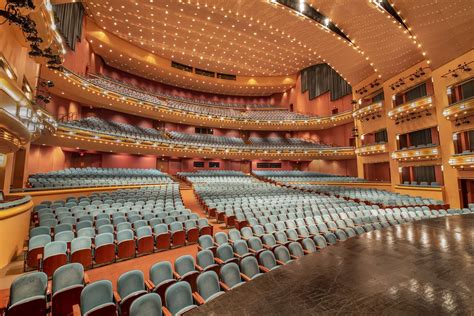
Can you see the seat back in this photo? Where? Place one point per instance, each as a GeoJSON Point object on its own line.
{"type": "Point", "coordinates": [221, 238]}
{"type": "Point", "coordinates": [205, 258]}
{"type": "Point", "coordinates": [225, 252]}
{"type": "Point", "coordinates": [27, 286]}
{"type": "Point", "coordinates": [184, 264]}
{"type": "Point", "coordinates": [267, 259]}
{"type": "Point", "coordinates": [130, 282]}
{"type": "Point", "coordinates": [296, 249]}
{"type": "Point", "coordinates": [160, 272]}
{"type": "Point", "coordinates": [208, 284]}
{"type": "Point", "coordinates": [249, 266]}
{"type": "Point", "coordinates": [67, 276]}
{"type": "Point", "coordinates": [148, 304]}
{"type": "Point", "coordinates": [230, 274]}
{"type": "Point", "coordinates": [178, 296]}
{"type": "Point", "coordinates": [282, 254]}
{"type": "Point", "coordinates": [97, 294]}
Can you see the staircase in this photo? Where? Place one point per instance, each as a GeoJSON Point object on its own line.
{"type": "Point", "coordinates": [183, 185]}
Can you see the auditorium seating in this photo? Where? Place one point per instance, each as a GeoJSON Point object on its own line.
{"type": "Point", "coordinates": [373, 195]}
{"type": "Point", "coordinates": [123, 87]}
{"type": "Point", "coordinates": [138, 134]}
{"type": "Point", "coordinates": [105, 227]}
{"type": "Point", "coordinates": [96, 177]}
{"type": "Point", "coordinates": [304, 176]}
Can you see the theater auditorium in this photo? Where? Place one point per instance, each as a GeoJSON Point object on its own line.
{"type": "Point", "coordinates": [236, 157]}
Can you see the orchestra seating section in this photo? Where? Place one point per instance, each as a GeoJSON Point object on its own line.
{"type": "Point", "coordinates": [97, 125]}
{"type": "Point", "coordinates": [96, 177]}
{"type": "Point", "coordinates": [271, 225]}
{"type": "Point", "coordinates": [375, 196]}
{"type": "Point", "coordinates": [199, 107]}
{"type": "Point", "coordinates": [105, 227]}
{"type": "Point", "coordinates": [304, 176]}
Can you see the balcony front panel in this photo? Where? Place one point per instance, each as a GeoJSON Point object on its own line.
{"type": "Point", "coordinates": [371, 150]}
{"type": "Point", "coordinates": [368, 110]}
{"type": "Point", "coordinates": [459, 109]}
{"type": "Point", "coordinates": [422, 104]}
{"type": "Point", "coordinates": [417, 154]}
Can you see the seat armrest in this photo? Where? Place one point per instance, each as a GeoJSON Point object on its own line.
{"type": "Point", "coordinates": [166, 312]}
{"type": "Point", "coordinates": [238, 256]}
{"type": "Point", "coordinates": [199, 268]}
{"type": "Point", "coordinates": [219, 260]}
{"type": "Point", "coordinates": [87, 280]}
{"type": "Point", "coordinates": [176, 275]}
{"type": "Point", "coordinates": [224, 286]}
{"type": "Point", "coordinates": [149, 285]}
{"type": "Point", "coordinates": [306, 252]}
{"type": "Point", "coordinates": [280, 262]}
{"type": "Point", "coordinates": [76, 310]}
{"type": "Point", "coordinates": [294, 257]}
{"type": "Point", "coordinates": [263, 269]}
{"type": "Point", "coordinates": [198, 298]}
{"type": "Point", "coordinates": [246, 278]}
{"type": "Point", "coordinates": [117, 297]}
{"type": "Point", "coordinates": [40, 261]}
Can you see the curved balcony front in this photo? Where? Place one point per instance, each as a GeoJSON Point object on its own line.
{"type": "Point", "coordinates": [417, 154]}
{"type": "Point", "coordinates": [365, 111]}
{"type": "Point", "coordinates": [20, 120]}
{"type": "Point", "coordinates": [87, 140]}
{"type": "Point", "coordinates": [369, 150]}
{"type": "Point", "coordinates": [459, 109]}
{"type": "Point", "coordinates": [419, 105]}
{"type": "Point", "coordinates": [85, 91]}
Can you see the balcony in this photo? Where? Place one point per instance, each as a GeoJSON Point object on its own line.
{"type": "Point", "coordinates": [416, 106]}
{"type": "Point", "coordinates": [417, 154]}
{"type": "Point", "coordinates": [21, 121]}
{"type": "Point", "coordinates": [76, 138]}
{"type": "Point", "coordinates": [365, 111]}
{"type": "Point", "coordinates": [84, 91]}
{"type": "Point", "coordinates": [462, 161]}
{"type": "Point", "coordinates": [368, 150]}
{"type": "Point", "coordinates": [459, 109]}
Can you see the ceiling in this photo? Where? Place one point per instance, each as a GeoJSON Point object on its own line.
{"type": "Point", "coordinates": [257, 38]}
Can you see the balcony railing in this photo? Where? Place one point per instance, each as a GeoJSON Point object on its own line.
{"type": "Point", "coordinates": [462, 161]}
{"type": "Point", "coordinates": [459, 109]}
{"type": "Point", "coordinates": [419, 105]}
{"type": "Point", "coordinates": [374, 149]}
{"type": "Point", "coordinates": [416, 154]}
{"type": "Point", "coordinates": [368, 110]}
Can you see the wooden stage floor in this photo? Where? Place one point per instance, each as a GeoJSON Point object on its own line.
{"type": "Point", "coordinates": [426, 267]}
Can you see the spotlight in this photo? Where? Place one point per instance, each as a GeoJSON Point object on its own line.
{"type": "Point", "coordinates": [455, 75]}
{"type": "Point", "coordinates": [466, 68]}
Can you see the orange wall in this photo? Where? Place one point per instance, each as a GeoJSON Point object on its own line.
{"type": "Point", "coordinates": [128, 161]}
{"type": "Point", "coordinates": [46, 158]}
{"type": "Point", "coordinates": [339, 167]}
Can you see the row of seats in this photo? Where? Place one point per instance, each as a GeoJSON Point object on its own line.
{"type": "Point", "coordinates": [304, 176]}
{"type": "Point", "coordinates": [383, 197]}
{"type": "Point", "coordinates": [104, 227]}
{"type": "Point", "coordinates": [93, 177]}
{"type": "Point", "coordinates": [100, 79]}
{"type": "Point", "coordinates": [169, 290]}
{"type": "Point", "coordinates": [97, 125]}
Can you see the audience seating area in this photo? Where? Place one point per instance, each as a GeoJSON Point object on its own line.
{"type": "Point", "coordinates": [96, 125]}
{"type": "Point", "coordinates": [105, 227]}
{"type": "Point", "coordinates": [375, 196]}
{"type": "Point", "coordinates": [97, 177]}
{"type": "Point", "coordinates": [199, 106]}
{"type": "Point", "coordinates": [304, 176]}
{"type": "Point", "coordinates": [222, 176]}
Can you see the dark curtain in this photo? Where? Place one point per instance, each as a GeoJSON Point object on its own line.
{"type": "Point", "coordinates": [381, 136]}
{"type": "Point", "coordinates": [321, 78]}
{"type": "Point", "coordinates": [70, 21]}
{"type": "Point", "coordinates": [379, 97]}
{"type": "Point", "coordinates": [467, 90]}
{"type": "Point", "coordinates": [471, 140]}
{"type": "Point", "coordinates": [422, 137]}
{"type": "Point", "coordinates": [415, 93]}
{"type": "Point", "coordinates": [424, 174]}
